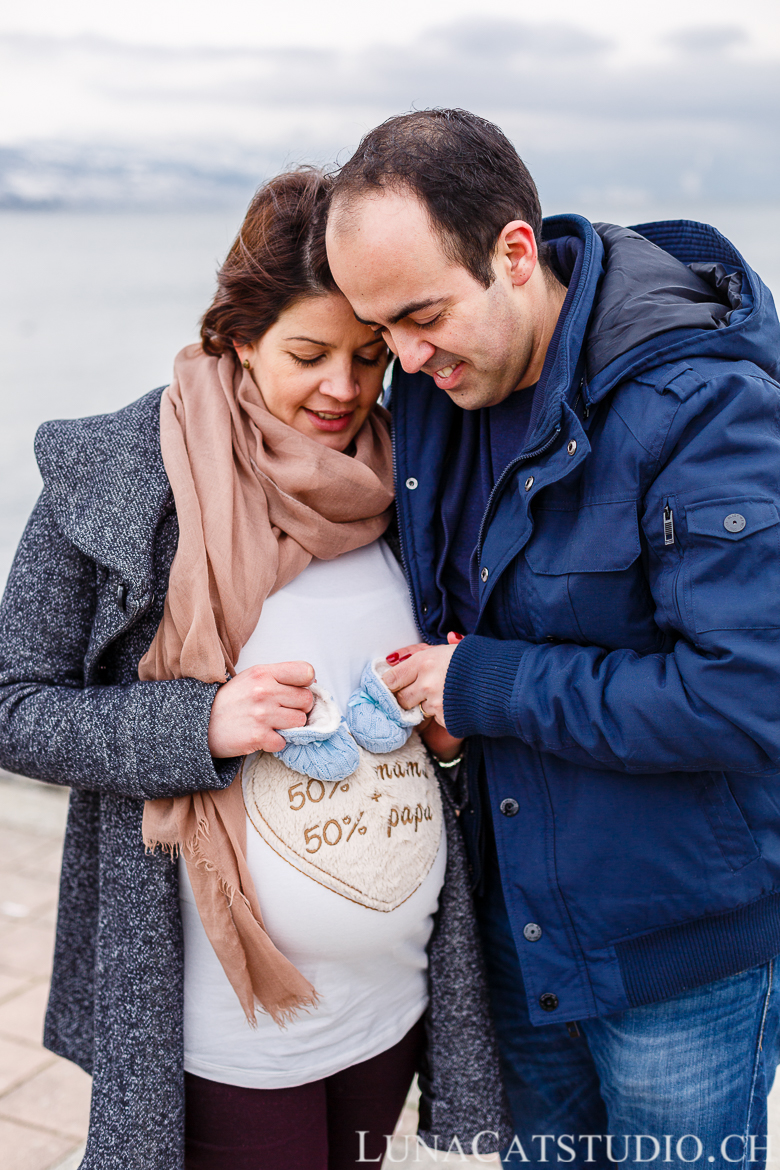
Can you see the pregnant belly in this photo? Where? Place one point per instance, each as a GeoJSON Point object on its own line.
{"type": "Point", "coordinates": [312, 925]}
{"type": "Point", "coordinates": [371, 839]}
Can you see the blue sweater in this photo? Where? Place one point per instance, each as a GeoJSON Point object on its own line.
{"type": "Point", "coordinates": [621, 684]}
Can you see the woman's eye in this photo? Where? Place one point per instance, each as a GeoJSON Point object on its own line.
{"type": "Point", "coordinates": [375, 361]}
{"type": "Point", "coordinates": [306, 362]}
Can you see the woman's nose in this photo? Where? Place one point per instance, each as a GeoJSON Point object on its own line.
{"type": "Point", "coordinates": [342, 387]}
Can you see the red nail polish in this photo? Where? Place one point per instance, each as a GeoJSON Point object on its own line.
{"type": "Point", "coordinates": [404, 658]}
{"type": "Point", "coordinates": [392, 658]}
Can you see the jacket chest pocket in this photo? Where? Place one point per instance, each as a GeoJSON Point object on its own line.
{"type": "Point", "coordinates": [585, 578]}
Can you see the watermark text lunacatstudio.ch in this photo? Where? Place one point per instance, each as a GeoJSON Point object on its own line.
{"type": "Point", "coordinates": [631, 1149]}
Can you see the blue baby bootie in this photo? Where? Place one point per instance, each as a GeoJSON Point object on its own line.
{"type": "Point", "coordinates": [323, 749]}
{"type": "Point", "coordinates": [375, 717]}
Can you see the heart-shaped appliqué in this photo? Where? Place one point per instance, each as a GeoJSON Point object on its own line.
{"type": "Point", "coordinates": [371, 838]}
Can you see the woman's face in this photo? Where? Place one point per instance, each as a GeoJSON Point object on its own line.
{"type": "Point", "coordinates": [319, 370]}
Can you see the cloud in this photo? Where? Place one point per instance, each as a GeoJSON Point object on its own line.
{"type": "Point", "coordinates": [98, 121]}
{"type": "Point", "coordinates": [707, 39]}
{"type": "Point", "coordinates": [497, 39]}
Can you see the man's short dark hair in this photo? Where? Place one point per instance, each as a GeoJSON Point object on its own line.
{"type": "Point", "coordinates": [464, 170]}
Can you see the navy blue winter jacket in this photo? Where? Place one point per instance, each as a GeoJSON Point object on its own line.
{"type": "Point", "coordinates": [623, 682]}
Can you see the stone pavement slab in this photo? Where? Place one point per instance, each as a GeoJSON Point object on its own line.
{"type": "Point", "coordinates": [44, 1101]}
{"type": "Point", "coordinates": [25, 1148]}
{"type": "Point", "coordinates": [26, 949]}
{"type": "Point", "coordinates": [57, 1099]}
{"type": "Point", "coordinates": [19, 1062]}
{"type": "Point", "coordinates": [22, 1015]}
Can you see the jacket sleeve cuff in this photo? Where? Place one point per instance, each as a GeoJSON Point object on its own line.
{"type": "Point", "coordinates": [479, 686]}
{"type": "Point", "coordinates": [176, 713]}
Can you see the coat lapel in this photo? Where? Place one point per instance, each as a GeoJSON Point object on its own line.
{"type": "Point", "coordinates": [108, 488]}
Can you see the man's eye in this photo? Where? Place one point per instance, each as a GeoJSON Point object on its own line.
{"type": "Point", "coordinates": [427, 324]}
{"type": "Point", "coordinates": [306, 362]}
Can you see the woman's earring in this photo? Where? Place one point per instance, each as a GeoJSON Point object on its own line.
{"type": "Point", "coordinates": [246, 364]}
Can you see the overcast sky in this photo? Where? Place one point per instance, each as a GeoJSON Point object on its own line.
{"type": "Point", "coordinates": [159, 98]}
{"type": "Point", "coordinates": [637, 29]}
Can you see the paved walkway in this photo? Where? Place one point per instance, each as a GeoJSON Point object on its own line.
{"type": "Point", "coordinates": [44, 1101]}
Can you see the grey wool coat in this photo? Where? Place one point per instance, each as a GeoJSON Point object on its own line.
{"type": "Point", "coordinates": [83, 600]}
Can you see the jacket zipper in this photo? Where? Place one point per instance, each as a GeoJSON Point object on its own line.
{"type": "Point", "coordinates": [502, 479]}
{"type": "Point", "coordinates": [404, 562]}
{"type": "Point", "coordinates": [496, 489]}
{"type": "Point", "coordinates": [669, 541]}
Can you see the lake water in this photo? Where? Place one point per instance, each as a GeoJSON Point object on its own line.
{"type": "Point", "coordinates": [93, 308]}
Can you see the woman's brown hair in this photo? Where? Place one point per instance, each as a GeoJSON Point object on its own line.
{"type": "Point", "coordinates": [277, 257]}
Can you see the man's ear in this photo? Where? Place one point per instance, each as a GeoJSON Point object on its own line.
{"type": "Point", "coordinates": [517, 249]}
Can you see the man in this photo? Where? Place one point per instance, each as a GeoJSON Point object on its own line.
{"type": "Point", "coordinates": [586, 423]}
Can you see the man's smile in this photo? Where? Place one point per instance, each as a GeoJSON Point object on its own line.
{"type": "Point", "coordinates": [447, 376]}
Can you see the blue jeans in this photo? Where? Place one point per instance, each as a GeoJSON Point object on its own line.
{"type": "Point", "coordinates": [675, 1083]}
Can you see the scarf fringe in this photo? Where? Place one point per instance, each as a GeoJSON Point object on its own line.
{"type": "Point", "coordinates": [284, 1016]}
{"type": "Point", "coordinates": [170, 849]}
{"type": "Point", "coordinates": [173, 849]}
{"type": "Point", "coordinates": [192, 849]}
{"type": "Point", "coordinates": [281, 1016]}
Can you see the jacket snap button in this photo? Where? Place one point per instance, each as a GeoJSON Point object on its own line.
{"type": "Point", "coordinates": [485, 574]}
{"type": "Point", "coordinates": [572, 446]}
{"type": "Point", "coordinates": [529, 483]}
{"type": "Point", "coordinates": [121, 597]}
{"type": "Point", "coordinates": [509, 807]}
{"type": "Point", "coordinates": [532, 931]}
{"type": "Point", "coordinates": [734, 522]}
{"type": "Point", "coordinates": [548, 1002]}
{"type": "Point", "coordinates": [411, 483]}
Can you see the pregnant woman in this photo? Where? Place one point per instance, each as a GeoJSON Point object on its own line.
{"type": "Point", "coordinates": [251, 961]}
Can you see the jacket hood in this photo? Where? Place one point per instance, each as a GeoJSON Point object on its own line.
{"type": "Point", "coordinates": [662, 292]}
{"type": "Point", "coordinates": [646, 292]}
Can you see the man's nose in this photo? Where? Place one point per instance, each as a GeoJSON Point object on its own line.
{"type": "Point", "coordinates": [412, 351]}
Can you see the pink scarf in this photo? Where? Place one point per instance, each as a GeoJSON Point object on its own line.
{"type": "Point", "coordinates": [255, 500]}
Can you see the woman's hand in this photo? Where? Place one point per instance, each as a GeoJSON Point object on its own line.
{"type": "Point", "coordinates": [435, 737]}
{"type": "Point", "coordinates": [418, 676]}
{"type": "Point", "coordinates": [248, 709]}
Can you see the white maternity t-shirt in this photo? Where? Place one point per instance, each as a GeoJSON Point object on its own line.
{"type": "Point", "coordinates": [368, 967]}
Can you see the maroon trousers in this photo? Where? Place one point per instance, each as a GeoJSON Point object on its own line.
{"type": "Point", "coordinates": [309, 1127]}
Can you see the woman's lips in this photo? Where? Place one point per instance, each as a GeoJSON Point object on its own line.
{"type": "Point", "coordinates": [329, 420]}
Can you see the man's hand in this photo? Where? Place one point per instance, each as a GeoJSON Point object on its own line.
{"type": "Point", "coordinates": [420, 678]}
{"type": "Point", "coordinates": [248, 709]}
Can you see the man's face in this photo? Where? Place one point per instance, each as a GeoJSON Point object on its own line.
{"type": "Point", "coordinates": [478, 344]}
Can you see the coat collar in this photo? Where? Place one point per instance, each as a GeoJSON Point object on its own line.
{"type": "Point", "coordinates": [105, 478]}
